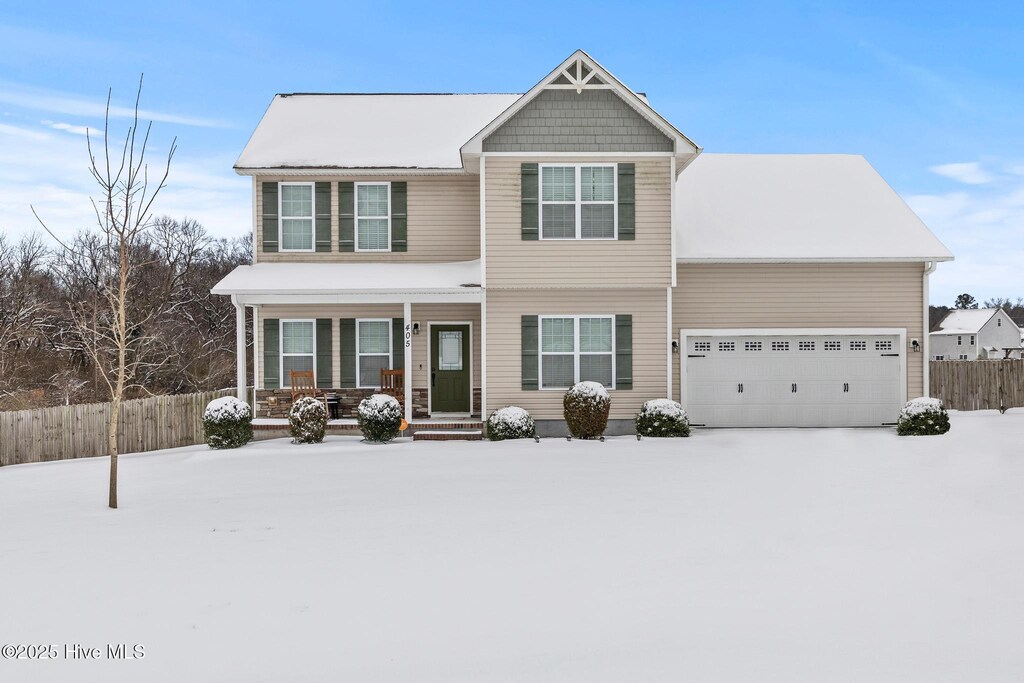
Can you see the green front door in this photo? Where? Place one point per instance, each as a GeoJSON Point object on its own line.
{"type": "Point", "coordinates": [449, 369]}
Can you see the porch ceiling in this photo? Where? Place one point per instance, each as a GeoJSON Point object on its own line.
{"type": "Point", "coordinates": [313, 283]}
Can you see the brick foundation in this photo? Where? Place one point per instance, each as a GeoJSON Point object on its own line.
{"type": "Point", "coordinates": [277, 402]}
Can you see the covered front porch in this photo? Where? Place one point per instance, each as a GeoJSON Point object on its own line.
{"type": "Point", "coordinates": [347, 322]}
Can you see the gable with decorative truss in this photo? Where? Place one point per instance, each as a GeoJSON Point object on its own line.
{"type": "Point", "coordinates": [580, 107]}
{"type": "Point", "coordinates": [564, 120]}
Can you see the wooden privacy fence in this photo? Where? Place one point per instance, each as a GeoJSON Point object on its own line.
{"type": "Point", "coordinates": [978, 384]}
{"type": "Point", "coordinates": [80, 431]}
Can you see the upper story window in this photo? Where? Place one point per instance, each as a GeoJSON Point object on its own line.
{"type": "Point", "coordinates": [373, 217]}
{"type": "Point", "coordinates": [999, 322]}
{"type": "Point", "coordinates": [578, 201]}
{"type": "Point", "coordinates": [296, 213]}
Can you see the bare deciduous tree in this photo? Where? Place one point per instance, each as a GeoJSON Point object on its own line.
{"type": "Point", "coordinates": [110, 329]}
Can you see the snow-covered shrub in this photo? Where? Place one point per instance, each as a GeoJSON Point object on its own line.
{"type": "Point", "coordinates": [307, 420]}
{"type": "Point", "coordinates": [586, 407]}
{"type": "Point", "coordinates": [227, 423]}
{"type": "Point", "coordinates": [511, 422]}
{"type": "Point", "coordinates": [380, 417]}
{"type": "Point", "coordinates": [923, 417]}
{"type": "Point", "coordinates": [662, 417]}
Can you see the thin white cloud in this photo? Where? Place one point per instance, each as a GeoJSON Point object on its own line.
{"type": "Point", "coordinates": [50, 172]}
{"type": "Point", "coordinates": [24, 133]}
{"type": "Point", "coordinates": [969, 173]}
{"type": "Point", "coordinates": [982, 225]}
{"type": "Point", "coordinates": [71, 128]}
{"type": "Point", "coordinates": [72, 105]}
{"type": "Point", "coordinates": [923, 77]}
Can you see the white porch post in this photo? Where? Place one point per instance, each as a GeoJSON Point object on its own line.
{"type": "Point", "coordinates": [240, 349]}
{"type": "Point", "coordinates": [407, 331]}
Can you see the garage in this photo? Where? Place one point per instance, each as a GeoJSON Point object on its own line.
{"type": "Point", "coordinates": [793, 378]}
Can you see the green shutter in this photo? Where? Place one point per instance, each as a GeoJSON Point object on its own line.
{"type": "Point", "coordinates": [529, 208]}
{"type": "Point", "coordinates": [271, 353]}
{"type": "Point", "coordinates": [347, 342]}
{"type": "Point", "coordinates": [322, 202]}
{"type": "Point", "coordinates": [530, 343]}
{"type": "Point", "coordinates": [397, 343]}
{"type": "Point", "coordinates": [399, 218]}
{"type": "Point", "coordinates": [627, 202]}
{"type": "Point", "coordinates": [324, 354]}
{"type": "Point", "coordinates": [623, 352]}
{"type": "Point", "coordinates": [347, 217]}
{"type": "Point", "coordinates": [270, 217]}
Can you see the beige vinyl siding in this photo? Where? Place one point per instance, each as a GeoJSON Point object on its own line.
{"type": "Point", "coordinates": [504, 345]}
{"type": "Point", "coordinates": [515, 263]}
{"type": "Point", "coordinates": [444, 220]}
{"type": "Point", "coordinates": [421, 313]}
{"type": "Point", "coordinates": [804, 295]}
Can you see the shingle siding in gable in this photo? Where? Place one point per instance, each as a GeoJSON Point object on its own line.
{"type": "Point", "coordinates": [567, 121]}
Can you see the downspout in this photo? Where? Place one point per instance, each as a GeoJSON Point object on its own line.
{"type": "Point", "coordinates": [926, 327]}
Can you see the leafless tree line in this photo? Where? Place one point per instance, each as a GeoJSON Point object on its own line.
{"type": "Point", "coordinates": [186, 335]}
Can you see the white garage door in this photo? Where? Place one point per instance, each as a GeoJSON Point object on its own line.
{"type": "Point", "coordinates": [812, 380]}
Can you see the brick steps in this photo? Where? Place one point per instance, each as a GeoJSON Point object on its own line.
{"type": "Point", "coordinates": [448, 435]}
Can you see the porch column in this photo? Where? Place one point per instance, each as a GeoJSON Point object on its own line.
{"type": "Point", "coordinates": [240, 349]}
{"type": "Point", "coordinates": [407, 346]}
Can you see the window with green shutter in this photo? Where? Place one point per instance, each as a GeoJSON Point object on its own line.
{"type": "Point", "coordinates": [576, 348]}
{"type": "Point", "coordinates": [324, 354]}
{"type": "Point", "coordinates": [271, 351]}
{"type": "Point", "coordinates": [298, 348]}
{"type": "Point", "coordinates": [270, 223]}
{"type": "Point", "coordinates": [575, 202]}
{"type": "Point", "coordinates": [373, 217]}
{"type": "Point", "coordinates": [296, 216]}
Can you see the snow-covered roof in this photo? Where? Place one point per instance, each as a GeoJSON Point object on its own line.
{"type": "Point", "coordinates": [292, 279]}
{"type": "Point", "coordinates": [796, 207]}
{"type": "Point", "coordinates": [368, 130]}
{"type": "Point", "coordinates": [965, 321]}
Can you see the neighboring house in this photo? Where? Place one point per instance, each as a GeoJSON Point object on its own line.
{"type": "Point", "coordinates": [500, 248]}
{"type": "Point", "coordinates": [976, 334]}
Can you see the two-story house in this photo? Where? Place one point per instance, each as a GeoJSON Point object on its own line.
{"type": "Point", "coordinates": [976, 334]}
{"type": "Point", "coordinates": [501, 247]}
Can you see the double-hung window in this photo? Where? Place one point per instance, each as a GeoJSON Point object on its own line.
{"type": "Point", "coordinates": [296, 213]}
{"type": "Point", "coordinates": [373, 350]}
{"type": "Point", "coordinates": [373, 217]}
{"type": "Point", "coordinates": [578, 201]}
{"type": "Point", "coordinates": [298, 348]}
{"type": "Point", "coordinates": [576, 349]}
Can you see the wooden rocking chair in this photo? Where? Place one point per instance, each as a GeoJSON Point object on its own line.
{"type": "Point", "coordinates": [392, 383]}
{"type": "Point", "coordinates": [303, 384]}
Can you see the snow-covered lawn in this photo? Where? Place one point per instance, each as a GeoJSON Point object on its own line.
{"type": "Point", "coordinates": [816, 555]}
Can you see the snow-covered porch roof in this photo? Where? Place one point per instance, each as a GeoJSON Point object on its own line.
{"type": "Point", "coordinates": [352, 283]}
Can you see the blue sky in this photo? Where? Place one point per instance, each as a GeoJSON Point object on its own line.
{"type": "Point", "coordinates": [931, 93]}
